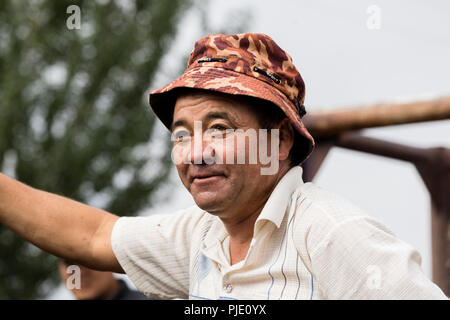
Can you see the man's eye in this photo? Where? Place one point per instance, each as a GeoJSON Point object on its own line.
{"type": "Point", "coordinates": [181, 135]}
{"type": "Point", "coordinates": [216, 131]}
{"type": "Point", "coordinates": [218, 127]}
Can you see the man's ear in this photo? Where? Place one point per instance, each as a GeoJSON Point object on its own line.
{"type": "Point", "coordinates": [286, 138]}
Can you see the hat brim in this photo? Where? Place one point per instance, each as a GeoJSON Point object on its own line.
{"type": "Point", "coordinates": [163, 100]}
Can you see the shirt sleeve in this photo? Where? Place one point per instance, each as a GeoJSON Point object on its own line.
{"type": "Point", "coordinates": [154, 251]}
{"type": "Point", "coordinates": [359, 258]}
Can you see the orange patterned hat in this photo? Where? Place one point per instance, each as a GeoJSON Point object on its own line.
{"type": "Point", "coordinates": [241, 64]}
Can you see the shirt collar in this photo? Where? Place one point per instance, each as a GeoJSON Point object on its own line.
{"type": "Point", "coordinates": [274, 209]}
{"type": "Point", "coordinates": [276, 205]}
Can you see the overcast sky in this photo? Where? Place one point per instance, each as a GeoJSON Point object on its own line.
{"type": "Point", "coordinates": [346, 61]}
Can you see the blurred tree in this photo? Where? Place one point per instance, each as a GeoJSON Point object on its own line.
{"type": "Point", "coordinates": [73, 113]}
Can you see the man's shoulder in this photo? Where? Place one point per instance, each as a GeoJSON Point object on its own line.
{"type": "Point", "coordinates": [322, 213]}
{"type": "Point", "coordinates": [326, 204]}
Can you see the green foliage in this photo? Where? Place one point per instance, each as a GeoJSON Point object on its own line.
{"type": "Point", "coordinates": [74, 118]}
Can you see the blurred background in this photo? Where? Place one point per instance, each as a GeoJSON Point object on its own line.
{"type": "Point", "coordinates": [74, 118]}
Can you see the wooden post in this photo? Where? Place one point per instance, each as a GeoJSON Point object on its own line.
{"type": "Point", "coordinates": [440, 248]}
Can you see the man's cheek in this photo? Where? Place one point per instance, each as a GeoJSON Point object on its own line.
{"type": "Point", "coordinates": [269, 155]}
{"type": "Point", "coordinates": [233, 150]}
{"type": "Point", "coordinates": [182, 173]}
{"type": "Point", "coordinates": [182, 170]}
{"type": "Point", "coordinates": [181, 154]}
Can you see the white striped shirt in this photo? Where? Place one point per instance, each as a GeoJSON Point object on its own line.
{"type": "Point", "coordinates": [307, 244]}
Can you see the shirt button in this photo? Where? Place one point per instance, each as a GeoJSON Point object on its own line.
{"type": "Point", "coordinates": [228, 288]}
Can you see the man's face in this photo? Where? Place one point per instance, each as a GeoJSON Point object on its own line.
{"type": "Point", "coordinates": [199, 128]}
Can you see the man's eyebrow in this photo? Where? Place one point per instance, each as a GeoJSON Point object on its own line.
{"type": "Point", "coordinates": [210, 116]}
{"type": "Point", "coordinates": [178, 123]}
{"type": "Point", "coordinates": [218, 115]}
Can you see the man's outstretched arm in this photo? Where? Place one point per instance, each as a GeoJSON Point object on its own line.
{"type": "Point", "coordinates": [63, 227]}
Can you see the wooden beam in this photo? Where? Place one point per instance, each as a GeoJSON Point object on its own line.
{"type": "Point", "coordinates": [312, 165]}
{"type": "Point", "coordinates": [326, 123]}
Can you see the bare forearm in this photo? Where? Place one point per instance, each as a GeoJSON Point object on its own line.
{"type": "Point", "coordinates": [57, 224]}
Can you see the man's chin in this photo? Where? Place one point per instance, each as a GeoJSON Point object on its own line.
{"type": "Point", "coordinates": [210, 204]}
{"type": "Point", "coordinates": [213, 196]}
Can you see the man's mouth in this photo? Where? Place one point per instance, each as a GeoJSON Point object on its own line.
{"type": "Point", "coordinates": [206, 178]}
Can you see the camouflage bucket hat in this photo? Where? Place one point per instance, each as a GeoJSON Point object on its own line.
{"type": "Point", "coordinates": [241, 64]}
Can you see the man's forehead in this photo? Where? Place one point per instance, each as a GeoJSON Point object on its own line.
{"type": "Point", "coordinates": [207, 106]}
{"type": "Point", "coordinates": [194, 97]}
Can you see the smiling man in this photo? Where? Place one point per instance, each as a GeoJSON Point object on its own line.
{"type": "Point", "coordinates": [236, 193]}
{"type": "Point", "coordinates": [254, 233]}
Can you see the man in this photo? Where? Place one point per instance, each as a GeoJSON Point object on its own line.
{"type": "Point", "coordinates": [95, 285]}
{"type": "Point", "coordinates": [257, 231]}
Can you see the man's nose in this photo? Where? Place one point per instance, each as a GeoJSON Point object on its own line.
{"type": "Point", "coordinates": [202, 150]}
